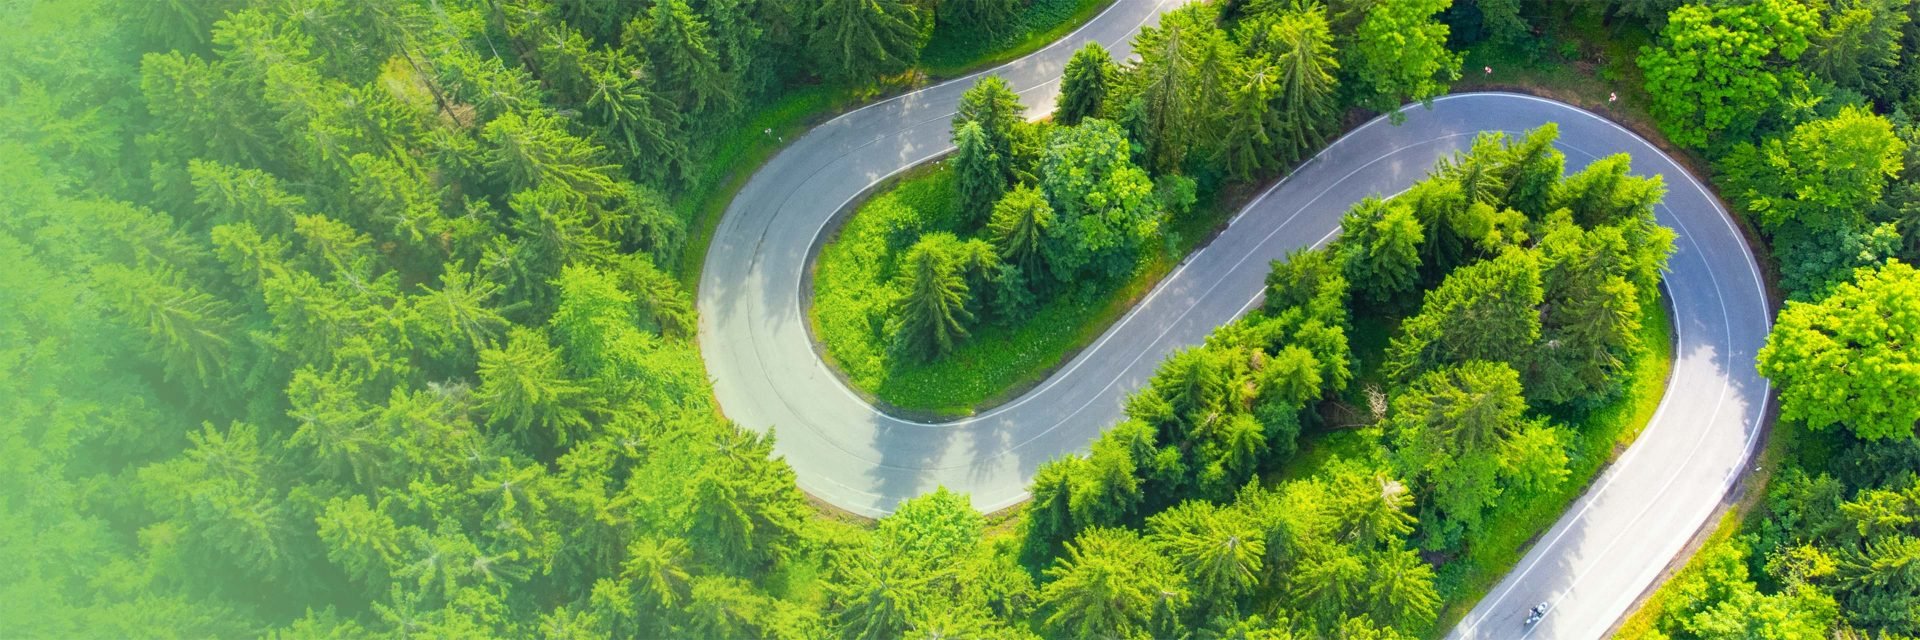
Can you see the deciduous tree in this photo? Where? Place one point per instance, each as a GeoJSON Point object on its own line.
{"type": "Point", "coordinates": [1850, 359]}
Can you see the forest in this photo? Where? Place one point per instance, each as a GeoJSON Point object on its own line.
{"type": "Point", "coordinates": [368, 318]}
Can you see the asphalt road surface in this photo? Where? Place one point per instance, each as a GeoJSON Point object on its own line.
{"type": "Point", "coordinates": [1589, 567]}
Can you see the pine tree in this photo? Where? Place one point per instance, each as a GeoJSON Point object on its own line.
{"type": "Point", "coordinates": [191, 332]}
{"type": "Point", "coordinates": [997, 109]}
{"type": "Point", "coordinates": [1218, 549]}
{"type": "Point", "coordinates": [978, 16]}
{"type": "Point", "coordinates": [1380, 248]}
{"type": "Point", "coordinates": [931, 316]}
{"type": "Point", "coordinates": [1108, 586]}
{"type": "Point", "coordinates": [1019, 227]}
{"type": "Point", "coordinates": [678, 46]}
{"type": "Point", "coordinates": [1299, 46]}
{"type": "Point", "coordinates": [1084, 85]}
{"type": "Point", "coordinates": [523, 387]}
{"type": "Point", "coordinates": [1483, 311]}
{"type": "Point", "coordinates": [861, 40]}
{"type": "Point", "coordinates": [980, 173]}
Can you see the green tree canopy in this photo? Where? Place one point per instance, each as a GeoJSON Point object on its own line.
{"type": "Point", "coordinates": [1850, 358]}
{"type": "Point", "coordinates": [1084, 84]}
{"type": "Point", "coordinates": [1398, 54]}
{"type": "Point", "coordinates": [1109, 585]}
{"type": "Point", "coordinates": [1719, 69]}
{"type": "Point", "coordinates": [861, 40]}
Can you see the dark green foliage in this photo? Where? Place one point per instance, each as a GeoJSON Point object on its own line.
{"type": "Point", "coordinates": [1298, 47]}
{"type": "Point", "coordinates": [1020, 226]}
{"type": "Point", "coordinates": [1084, 85]}
{"type": "Point", "coordinates": [933, 310]}
{"type": "Point", "coordinates": [994, 106]}
{"type": "Point", "coordinates": [1482, 311]}
{"type": "Point", "coordinates": [1458, 433]}
{"type": "Point", "coordinates": [981, 172]}
{"type": "Point", "coordinates": [1380, 248]}
{"type": "Point", "coordinates": [861, 40]}
{"type": "Point", "coordinates": [978, 16]}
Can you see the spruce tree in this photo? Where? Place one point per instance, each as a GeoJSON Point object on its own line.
{"type": "Point", "coordinates": [1084, 85]}
{"type": "Point", "coordinates": [980, 173]}
{"type": "Point", "coordinates": [931, 316]}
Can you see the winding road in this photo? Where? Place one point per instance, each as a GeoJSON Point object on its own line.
{"type": "Point", "coordinates": [1590, 566]}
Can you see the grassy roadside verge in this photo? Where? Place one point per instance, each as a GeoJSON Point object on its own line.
{"type": "Point", "coordinates": [1782, 443]}
{"type": "Point", "coordinates": [735, 160]}
{"type": "Point", "coordinates": [1600, 435]}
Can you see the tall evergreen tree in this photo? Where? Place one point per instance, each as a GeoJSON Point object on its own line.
{"type": "Point", "coordinates": [1084, 84]}
{"type": "Point", "coordinates": [931, 316]}
{"type": "Point", "coordinates": [1109, 585]}
{"type": "Point", "coordinates": [861, 40]}
{"type": "Point", "coordinates": [1483, 311]}
{"type": "Point", "coordinates": [1020, 227]}
{"type": "Point", "coordinates": [1380, 248]}
{"type": "Point", "coordinates": [980, 173]}
{"type": "Point", "coordinates": [1299, 46]}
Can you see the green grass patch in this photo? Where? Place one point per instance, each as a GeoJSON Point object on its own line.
{"type": "Point", "coordinates": [1599, 436]}
{"type": "Point", "coordinates": [954, 52]}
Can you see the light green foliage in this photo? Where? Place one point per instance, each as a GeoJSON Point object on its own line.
{"type": "Point", "coordinates": [924, 570]}
{"type": "Point", "coordinates": [1104, 203]}
{"type": "Point", "coordinates": [1111, 584]}
{"type": "Point", "coordinates": [1605, 193]}
{"type": "Point", "coordinates": [1398, 54]}
{"type": "Point", "coordinates": [861, 40]}
{"type": "Point", "coordinates": [1715, 599]}
{"type": "Point", "coordinates": [1824, 174]}
{"type": "Point", "coordinates": [1084, 84]}
{"type": "Point", "coordinates": [1219, 550]}
{"type": "Point", "coordinates": [1848, 359]}
{"type": "Point", "coordinates": [1720, 70]}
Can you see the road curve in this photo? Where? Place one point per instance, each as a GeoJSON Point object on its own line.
{"type": "Point", "coordinates": [1589, 566]}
